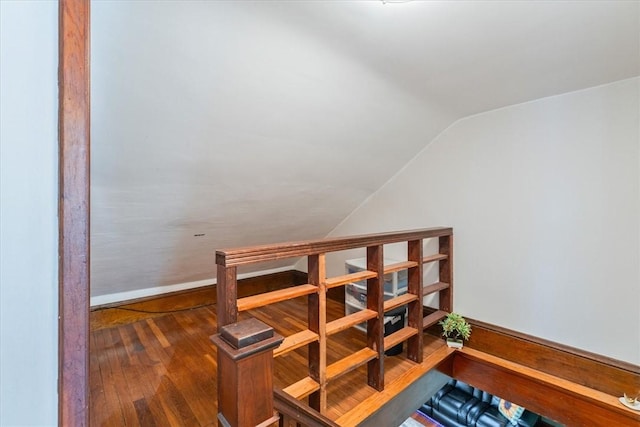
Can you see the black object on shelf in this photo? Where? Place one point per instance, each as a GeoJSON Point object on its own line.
{"type": "Point", "coordinates": [393, 322]}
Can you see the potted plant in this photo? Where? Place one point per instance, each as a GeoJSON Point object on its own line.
{"type": "Point", "coordinates": [455, 328]}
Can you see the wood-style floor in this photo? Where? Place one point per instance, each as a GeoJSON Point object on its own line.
{"type": "Point", "coordinates": [160, 370]}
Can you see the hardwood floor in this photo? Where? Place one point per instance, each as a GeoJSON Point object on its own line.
{"type": "Point", "coordinates": [161, 370]}
{"type": "Point", "coordinates": [154, 372]}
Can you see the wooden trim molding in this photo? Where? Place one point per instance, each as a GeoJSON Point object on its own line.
{"type": "Point", "coordinates": [561, 400]}
{"type": "Point", "coordinates": [591, 370]}
{"type": "Point", "coordinates": [587, 369]}
{"type": "Point", "coordinates": [73, 213]}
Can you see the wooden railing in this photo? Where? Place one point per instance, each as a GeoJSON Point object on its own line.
{"type": "Point", "coordinates": [247, 350]}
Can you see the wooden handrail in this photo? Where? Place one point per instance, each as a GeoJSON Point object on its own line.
{"type": "Point", "coordinates": [255, 254]}
{"type": "Point", "coordinates": [318, 329]}
{"type": "Point", "coordinates": [299, 413]}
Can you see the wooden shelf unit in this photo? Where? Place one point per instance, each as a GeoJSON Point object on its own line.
{"type": "Point", "coordinates": [319, 330]}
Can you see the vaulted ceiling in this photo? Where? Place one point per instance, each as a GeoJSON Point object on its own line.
{"type": "Point", "coordinates": [228, 123]}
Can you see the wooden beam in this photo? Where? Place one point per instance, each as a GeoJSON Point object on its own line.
{"type": "Point", "coordinates": [73, 206]}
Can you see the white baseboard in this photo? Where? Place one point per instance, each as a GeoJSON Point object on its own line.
{"type": "Point", "coordinates": [159, 290]}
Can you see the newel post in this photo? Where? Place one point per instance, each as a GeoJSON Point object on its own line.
{"type": "Point", "coordinates": [245, 374]}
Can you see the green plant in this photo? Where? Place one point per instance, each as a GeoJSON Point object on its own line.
{"type": "Point", "coordinates": [455, 327]}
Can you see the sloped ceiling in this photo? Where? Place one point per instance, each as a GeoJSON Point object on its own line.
{"type": "Point", "coordinates": [219, 124]}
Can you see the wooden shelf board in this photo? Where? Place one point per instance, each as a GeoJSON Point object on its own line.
{"type": "Point", "coordinates": [434, 287]}
{"type": "Point", "coordinates": [350, 362]}
{"type": "Point", "coordinates": [433, 258]}
{"type": "Point", "coordinates": [302, 388]}
{"type": "Point", "coordinates": [433, 318]}
{"type": "Point", "coordinates": [399, 336]}
{"type": "Point", "coordinates": [392, 268]}
{"type": "Point", "coordinates": [399, 301]}
{"type": "Point", "coordinates": [295, 341]}
{"type": "Point", "coordinates": [267, 298]}
{"type": "Point", "coordinates": [350, 320]}
{"type": "Point", "coordinates": [349, 278]}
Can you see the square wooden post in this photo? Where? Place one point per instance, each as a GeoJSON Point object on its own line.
{"type": "Point", "coordinates": [245, 374]}
{"type": "Point", "coordinates": [226, 296]}
{"type": "Point", "coordinates": [414, 279]}
{"type": "Point", "coordinates": [375, 326]}
{"type": "Point", "coordinates": [446, 273]}
{"type": "Point", "coordinates": [317, 316]}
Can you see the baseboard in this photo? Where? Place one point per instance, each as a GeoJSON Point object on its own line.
{"type": "Point", "coordinates": [102, 300]}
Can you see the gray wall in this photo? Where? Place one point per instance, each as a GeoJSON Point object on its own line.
{"type": "Point", "coordinates": [28, 210]}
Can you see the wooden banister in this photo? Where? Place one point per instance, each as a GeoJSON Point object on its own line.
{"type": "Point", "coordinates": [296, 413]}
{"type": "Point", "coordinates": [314, 386]}
{"type": "Point", "coordinates": [255, 254]}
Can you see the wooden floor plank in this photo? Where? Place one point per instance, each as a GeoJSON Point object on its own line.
{"type": "Point", "coordinates": [145, 416]}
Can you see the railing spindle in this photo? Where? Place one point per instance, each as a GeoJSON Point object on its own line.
{"type": "Point", "coordinates": [375, 326]}
{"type": "Point", "coordinates": [414, 286]}
{"type": "Point", "coordinates": [318, 324]}
{"type": "Point", "coordinates": [227, 296]}
{"type": "Point", "coordinates": [446, 273]}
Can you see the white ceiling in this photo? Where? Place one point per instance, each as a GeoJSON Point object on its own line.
{"type": "Point", "coordinates": [255, 122]}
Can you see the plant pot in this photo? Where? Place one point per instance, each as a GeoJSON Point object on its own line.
{"type": "Point", "coordinates": [454, 343]}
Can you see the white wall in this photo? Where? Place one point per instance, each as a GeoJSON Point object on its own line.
{"type": "Point", "coordinates": [28, 209]}
{"type": "Point", "coordinates": [222, 124]}
{"type": "Point", "coordinates": [544, 201]}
